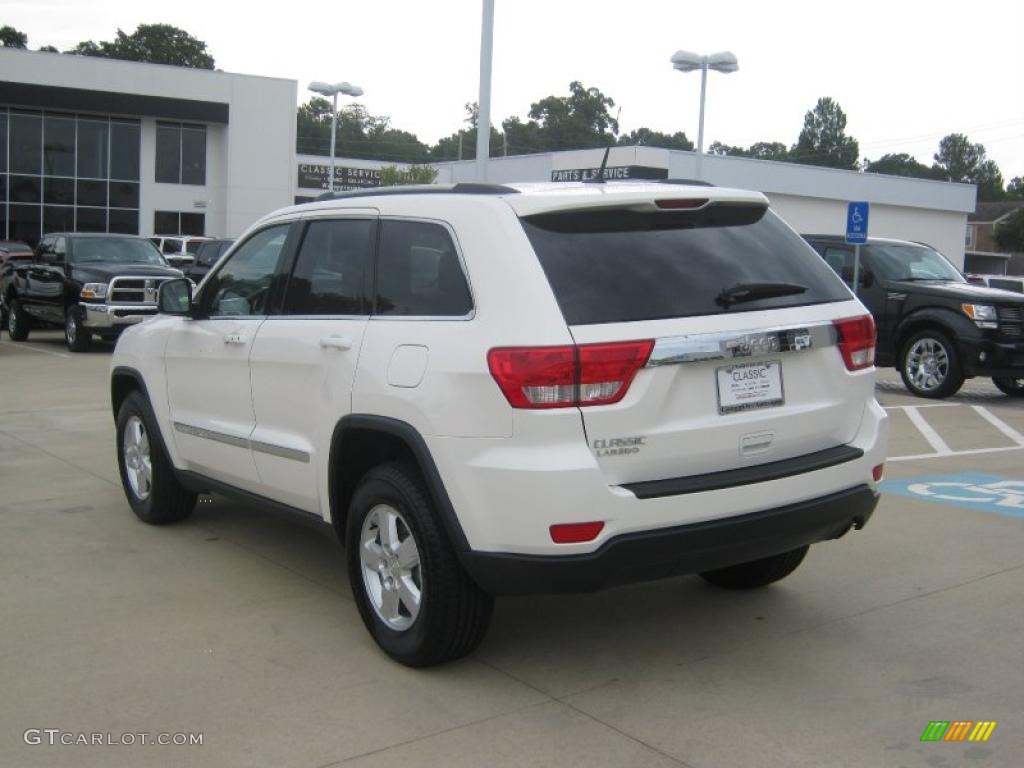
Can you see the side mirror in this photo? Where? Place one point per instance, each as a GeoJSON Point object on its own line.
{"type": "Point", "coordinates": [175, 297]}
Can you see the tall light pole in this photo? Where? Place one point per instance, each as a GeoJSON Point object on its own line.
{"type": "Point", "coordinates": [326, 89]}
{"type": "Point", "coordinates": [685, 61]}
{"type": "Point", "coordinates": [483, 117]}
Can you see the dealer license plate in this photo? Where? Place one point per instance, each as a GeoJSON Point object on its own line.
{"type": "Point", "coordinates": [749, 386]}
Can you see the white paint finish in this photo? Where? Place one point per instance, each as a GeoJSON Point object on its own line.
{"type": "Point", "coordinates": [300, 390]}
{"type": "Point", "coordinates": [934, 439]}
{"type": "Point", "coordinates": [407, 366]}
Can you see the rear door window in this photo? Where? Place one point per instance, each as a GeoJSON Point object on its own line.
{"type": "Point", "coordinates": [620, 265]}
{"type": "Point", "coordinates": [419, 273]}
{"type": "Point", "coordinates": [331, 269]}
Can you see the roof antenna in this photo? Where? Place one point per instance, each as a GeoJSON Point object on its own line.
{"type": "Point", "coordinates": [599, 179]}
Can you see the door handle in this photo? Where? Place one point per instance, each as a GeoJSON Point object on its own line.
{"type": "Point", "coordinates": [234, 338]}
{"type": "Point", "coordinates": [335, 342]}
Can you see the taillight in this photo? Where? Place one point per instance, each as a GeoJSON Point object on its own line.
{"type": "Point", "coordinates": [574, 533]}
{"type": "Point", "coordinates": [856, 341]}
{"type": "Point", "coordinates": [571, 375]}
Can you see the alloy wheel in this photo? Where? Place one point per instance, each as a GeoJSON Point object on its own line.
{"type": "Point", "coordinates": [927, 364]}
{"type": "Point", "coordinates": [390, 564]}
{"type": "Point", "coordinates": [138, 465]}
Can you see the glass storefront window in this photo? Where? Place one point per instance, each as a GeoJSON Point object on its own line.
{"type": "Point", "coordinates": [124, 151]}
{"type": "Point", "coordinates": [93, 159]}
{"type": "Point", "coordinates": [26, 139]}
{"type": "Point", "coordinates": [58, 146]}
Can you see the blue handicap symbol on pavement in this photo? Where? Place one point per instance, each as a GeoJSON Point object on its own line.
{"type": "Point", "coordinates": [973, 490]}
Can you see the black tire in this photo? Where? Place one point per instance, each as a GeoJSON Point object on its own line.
{"type": "Point", "coordinates": [453, 612]}
{"type": "Point", "coordinates": [1011, 387]}
{"type": "Point", "coordinates": [757, 573]}
{"type": "Point", "coordinates": [76, 335]}
{"type": "Point", "coordinates": [167, 500]}
{"type": "Point", "coordinates": [18, 322]}
{"type": "Point", "coordinates": [946, 378]}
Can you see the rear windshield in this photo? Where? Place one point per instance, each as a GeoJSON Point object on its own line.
{"type": "Point", "coordinates": [619, 266]}
{"type": "Point", "coordinates": [192, 246]}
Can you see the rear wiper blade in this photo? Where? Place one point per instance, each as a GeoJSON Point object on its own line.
{"type": "Point", "coordinates": [753, 291]}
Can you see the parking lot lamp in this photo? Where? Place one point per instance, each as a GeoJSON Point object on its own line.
{"type": "Point", "coordinates": [685, 61]}
{"type": "Point", "coordinates": [326, 89]}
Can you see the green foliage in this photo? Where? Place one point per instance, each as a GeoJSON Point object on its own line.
{"type": "Point", "coordinates": [577, 121]}
{"type": "Point", "coordinates": [12, 38]}
{"type": "Point", "coordinates": [447, 147]}
{"type": "Point", "coordinates": [1015, 189]}
{"type": "Point", "coordinates": [645, 137]}
{"type": "Point", "coordinates": [392, 176]}
{"type": "Point", "coordinates": [359, 134]}
{"type": "Point", "coordinates": [49, 49]}
{"type": "Point", "coordinates": [902, 164]}
{"type": "Point", "coordinates": [153, 43]}
{"type": "Point", "coordinates": [958, 159]}
{"type": "Point", "coordinates": [1009, 233]}
{"type": "Point", "coordinates": [823, 140]}
{"type": "Point", "coordinates": [759, 150]}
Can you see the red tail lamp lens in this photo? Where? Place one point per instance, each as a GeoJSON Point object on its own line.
{"type": "Point", "coordinates": [856, 341]}
{"type": "Point", "coordinates": [574, 533]}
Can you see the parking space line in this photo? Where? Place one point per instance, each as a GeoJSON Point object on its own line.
{"type": "Point", "coordinates": [29, 347]}
{"type": "Point", "coordinates": [922, 405]}
{"type": "Point", "coordinates": [953, 454]}
{"type": "Point", "coordinates": [934, 439]}
{"type": "Point", "coordinates": [999, 424]}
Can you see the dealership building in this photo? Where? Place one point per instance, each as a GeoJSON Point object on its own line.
{"type": "Point", "coordinates": [93, 144]}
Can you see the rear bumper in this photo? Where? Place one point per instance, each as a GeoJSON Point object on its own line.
{"type": "Point", "coordinates": [648, 555]}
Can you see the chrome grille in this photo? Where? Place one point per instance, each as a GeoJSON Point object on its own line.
{"type": "Point", "coordinates": [134, 290]}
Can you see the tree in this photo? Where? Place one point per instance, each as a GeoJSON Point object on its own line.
{"type": "Point", "coordinates": [49, 49]}
{"type": "Point", "coordinates": [759, 150]}
{"type": "Point", "coordinates": [958, 159]}
{"type": "Point", "coordinates": [359, 134]}
{"type": "Point", "coordinates": [823, 140]}
{"type": "Point", "coordinates": [1015, 189]}
{"type": "Point", "coordinates": [12, 38]}
{"type": "Point", "coordinates": [393, 176]}
{"type": "Point", "coordinates": [1009, 233]}
{"type": "Point", "coordinates": [901, 164]}
{"type": "Point", "coordinates": [580, 120]}
{"type": "Point", "coordinates": [645, 137]}
{"type": "Point", "coordinates": [447, 147]}
{"type": "Point", "coordinates": [153, 43]}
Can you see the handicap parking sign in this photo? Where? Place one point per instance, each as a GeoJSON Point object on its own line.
{"type": "Point", "coordinates": [857, 223]}
{"type": "Point", "coordinates": [973, 490]}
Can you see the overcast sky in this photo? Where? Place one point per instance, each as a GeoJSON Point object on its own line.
{"type": "Point", "coordinates": [906, 73]}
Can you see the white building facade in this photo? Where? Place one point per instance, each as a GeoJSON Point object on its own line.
{"type": "Point", "coordinates": [91, 144]}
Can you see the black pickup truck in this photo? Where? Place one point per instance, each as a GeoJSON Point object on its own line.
{"type": "Point", "coordinates": [88, 283]}
{"type": "Point", "coordinates": [933, 325]}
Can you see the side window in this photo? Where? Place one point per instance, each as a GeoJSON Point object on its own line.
{"type": "Point", "coordinates": [418, 272]}
{"type": "Point", "coordinates": [242, 286]}
{"type": "Point", "coordinates": [171, 245]}
{"type": "Point", "coordinates": [841, 261]}
{"type": "Point", "coordinates": [331, 269]}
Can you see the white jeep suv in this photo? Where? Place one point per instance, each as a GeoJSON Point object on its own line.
{"type": "Point", "coordinates": [489, 390]}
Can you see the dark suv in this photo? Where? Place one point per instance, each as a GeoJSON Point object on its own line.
{"type": "Point", "coordinates": [89, 283]}
{"type": "Point", "coordinates": [933, 325]}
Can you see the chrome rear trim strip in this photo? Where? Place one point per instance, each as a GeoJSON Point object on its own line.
{"type": "Point", "coordinates": [729, 345]}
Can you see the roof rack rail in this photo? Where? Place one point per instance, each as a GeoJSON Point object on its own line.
{"type": "Point", "coordinates": [461, 188]}
{"type": "Point", "coordinates": [685, 182]}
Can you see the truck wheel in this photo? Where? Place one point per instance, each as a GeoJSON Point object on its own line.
{"type": "Point", "coordinates": [17, 321]}
{"type": "Point", "coordinates": [413, 595]}
{"type": "Point", "coordinates": [757, 573]}
{"type": "Point", "coordinates": [1008, 386]}
{"type": "Point", "coordinates": [152, 488]}
{"type": "Point", "coordinates": [76, 336]}
{"type": "Point", "coordinates": [930, 365]}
